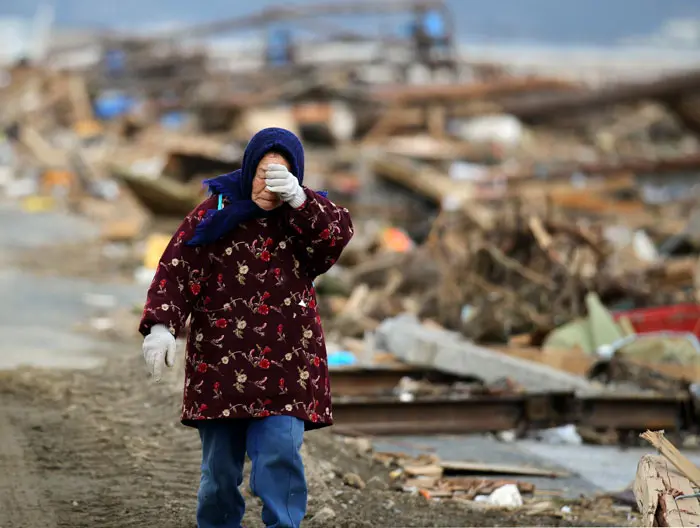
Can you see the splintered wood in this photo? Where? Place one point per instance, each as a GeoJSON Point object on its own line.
{"type": "Point", "coordinates": [436, 478]}
{"type": "Point", "coordinates": [467, 488]}
{"type": "Point", "coordinates": [669, 451]}
{"type": "Point", "coordinates": [663, 483]}
{"type": "Point", "coordinates": [657, 488]}
{"type": "Point", "coordinates": [522, 274]}
{"type": "Point", "coordinates": [530, 274]}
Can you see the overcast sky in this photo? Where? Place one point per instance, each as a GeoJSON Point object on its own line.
{"type": "Point", "coordinates": [547, 21]}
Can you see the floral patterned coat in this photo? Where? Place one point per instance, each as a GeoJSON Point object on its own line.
{"type": "Point", "coordinates": [255, 345]}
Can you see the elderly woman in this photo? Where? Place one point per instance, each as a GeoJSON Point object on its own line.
{"type": "Point", "coordinates": [242, 266]}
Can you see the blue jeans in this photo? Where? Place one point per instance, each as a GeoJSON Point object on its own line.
{"type": "Point", "coordinates": [277, 475]}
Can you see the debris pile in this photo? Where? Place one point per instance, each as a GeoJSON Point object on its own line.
{"type": "Point", "coordinates": [522, 274]}
{"type": "Point", "coordinates": [433, 478]}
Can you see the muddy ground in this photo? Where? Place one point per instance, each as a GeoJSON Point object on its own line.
{"type": "Point", "coordinates": [104, 448]}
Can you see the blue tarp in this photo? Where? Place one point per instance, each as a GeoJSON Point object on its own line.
{"type": "Point", "coordinates": [113, 104]}
{"type": "Point", "coordinates": [115, 61]}
{"type": "Point", "coordinates": [173, 120]}
{"type": "Point", "coordinates": [341, 358]}
{"type": "Point", "coordinates": [433, 24]}
{"type": "Point", "coordinates": [278, 44]}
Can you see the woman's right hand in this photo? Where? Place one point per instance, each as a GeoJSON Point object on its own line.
{"type": "Point", "coordinates": [158, 349]}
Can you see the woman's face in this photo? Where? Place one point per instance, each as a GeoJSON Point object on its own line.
{"type": "Point", "coordinates": [263, 198]}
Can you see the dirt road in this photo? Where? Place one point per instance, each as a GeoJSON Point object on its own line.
{"type": "Point", "coordinates": [103, 448]}
{"type": "Point", "coordinates": [76, 451]}
{"type": "Point", "coordinates": [21, 500]}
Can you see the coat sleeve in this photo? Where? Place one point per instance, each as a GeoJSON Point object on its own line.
{"type": "Point", "coordinates": [179, 278]}
{"type": "Point", "coordinates": [324, 228]}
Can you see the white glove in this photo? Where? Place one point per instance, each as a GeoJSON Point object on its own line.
{"type": "Point", "coordinates": [279, 180]}
{"type": "Point", "coordinates": [159, 348]}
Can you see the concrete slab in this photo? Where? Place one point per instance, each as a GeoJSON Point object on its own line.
{"type": "Point", "coordinates": [414, 343]}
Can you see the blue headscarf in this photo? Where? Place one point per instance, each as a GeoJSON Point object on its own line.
{"type": "Point", "coordinates": [237, 186]}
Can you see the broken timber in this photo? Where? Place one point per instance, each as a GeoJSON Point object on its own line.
{"type": "Point", "coordinates": [666, 88]}
{"type": "Point", "coordinates": [665, 484]}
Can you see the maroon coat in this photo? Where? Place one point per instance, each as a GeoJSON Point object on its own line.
{"type": "Point", "coordinates": [255, 345]}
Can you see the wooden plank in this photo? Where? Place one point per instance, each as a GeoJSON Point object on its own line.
{"type": "Point", "coordinates": [669, 451]}
{"type": "Point", "coordinates": [44, 152]}
{"type": "Point", "coordinates": [435, 186]}
{"type": "Point", "coordinates": [160, 195]}
{"type": "Point", "coordinates": [458, 93]}
{"type": "Point", "coordinates": [500, 469]}
{"type": "Point", "coordinates": [429, 470]}
{"type": "Point", "coordinates": [684, 373]}
{"type": "Point", "coordinates": [574, 361]}
{"type": "Point", "coordinates": [567, 103]}
{"type": "Point", "coordinates": [80, 98]}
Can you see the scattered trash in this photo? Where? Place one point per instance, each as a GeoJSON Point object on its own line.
{"type": "Point", "coordinates": [507, 496]}
{"type": "Point", "coordinates": [566, 435]}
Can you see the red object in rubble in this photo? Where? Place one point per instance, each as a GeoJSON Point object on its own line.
{"type": "Point", "coordinates": [676, 318]}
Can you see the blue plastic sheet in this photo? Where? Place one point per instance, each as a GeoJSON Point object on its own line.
{"type": "Point", "coordinates": [113, 104]}
{"type": "Point", "coordinates": [173, 120]}
{"type": "Point", "coordinates": [341, 358]}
